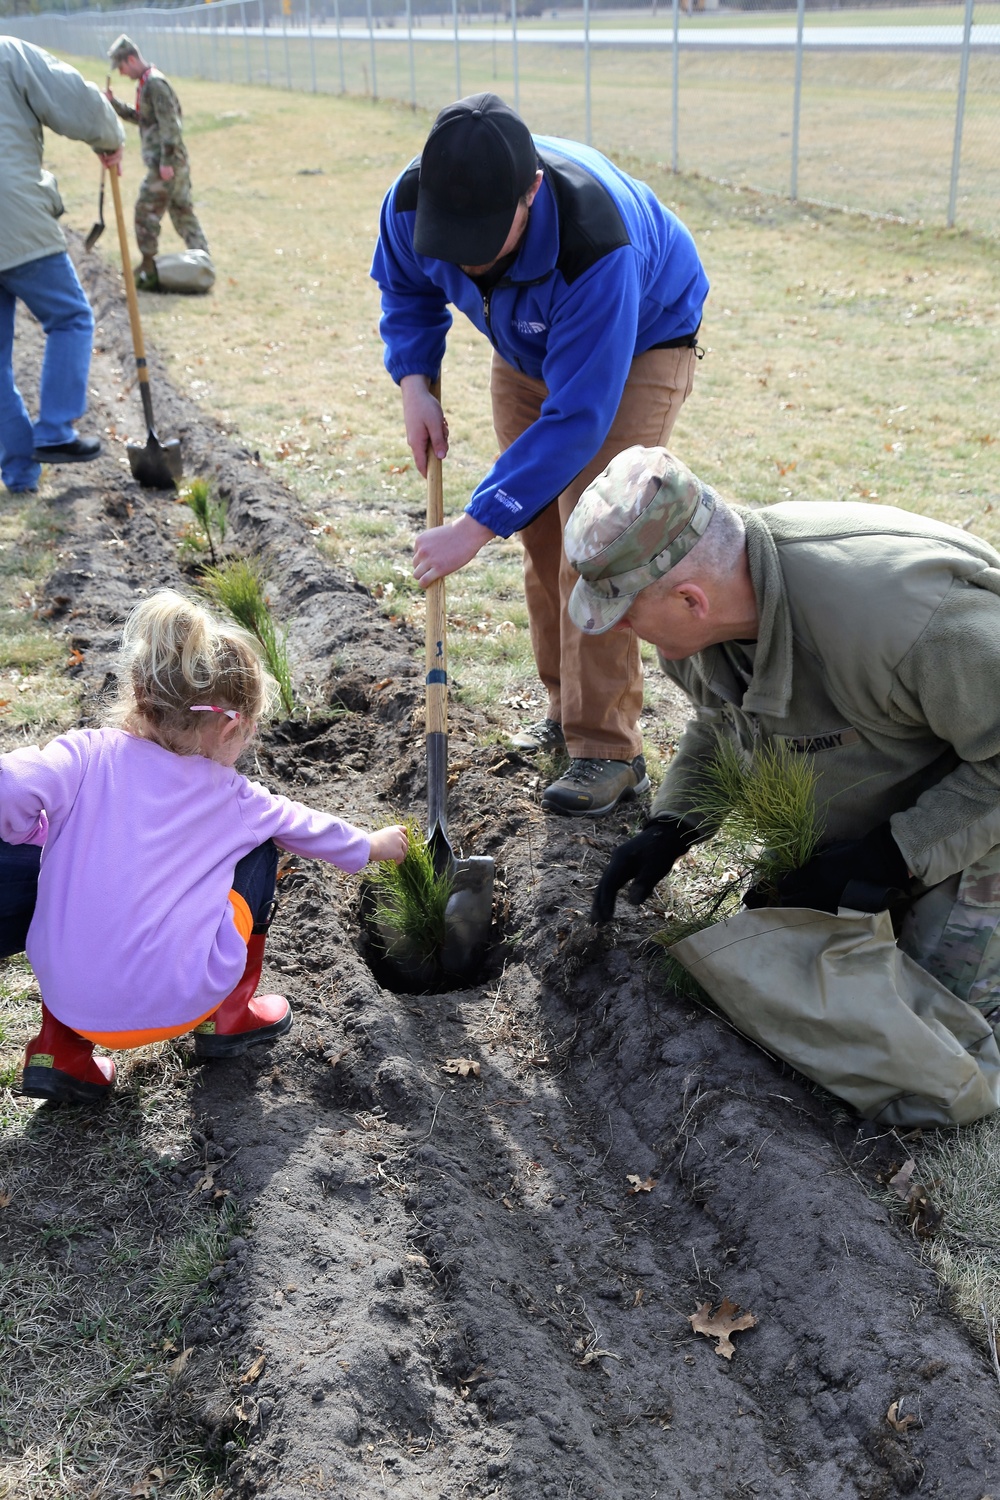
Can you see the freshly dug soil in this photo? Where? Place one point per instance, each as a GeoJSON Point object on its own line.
{"type": "Point", "coordinates": [480, 1284]}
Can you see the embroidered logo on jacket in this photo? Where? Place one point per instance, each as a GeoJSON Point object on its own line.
{"type": "Point", "coordinates": [524, 325]}
{"type": "Point", "coordinates": [808, 744]}
{"type": "Point", "coordinates": [504, 499]}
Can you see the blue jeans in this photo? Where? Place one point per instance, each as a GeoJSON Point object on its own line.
{"type": "Point", "coordinates": [49, 288]}
{"type": "Point", "coordinates": [255, 877]}
{"type": "Point", "coordinates": [18, 888]}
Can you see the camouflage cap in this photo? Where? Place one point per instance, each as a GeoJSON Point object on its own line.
{"type": "Point", "coordinates": [631, 525]}
{"type": "Point", "coordinates": [122, 47]}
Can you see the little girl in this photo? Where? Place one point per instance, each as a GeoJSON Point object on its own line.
{"type": "Point", "coordinates": [158, 860]}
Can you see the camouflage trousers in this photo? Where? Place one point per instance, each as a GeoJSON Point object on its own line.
{"type": "Point", "coordinates": [156, 198]}
{"type": "Point", "coordinates": [953, 931]}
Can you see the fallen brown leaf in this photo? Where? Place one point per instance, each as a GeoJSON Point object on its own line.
{"type": "Point", "coordinates": [463, 1066]}
{"type": "Point", "coordinates": [177, 1365]}
{"type": "Point", "coordinates": [898, 1423]}
{"type": "Point", "coordinates": [640, 1184]}
{"type": "Point", "coordinates": [900, 1184]}
{"type": "Point", "coordinates": [254, 1371]}
{"type": "Point", "coordinates": [719, 1325]}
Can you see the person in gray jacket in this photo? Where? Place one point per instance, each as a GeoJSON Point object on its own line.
{"type": "Point", "coordinates": [864, 637]}
{"type": "Point", "coordinates": [38, 91]}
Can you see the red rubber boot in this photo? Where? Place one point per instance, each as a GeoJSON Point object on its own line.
{"type": "Point", "coordinates": [244, 1019]}
{"type": "Point", "coordinates": [60, 1065]}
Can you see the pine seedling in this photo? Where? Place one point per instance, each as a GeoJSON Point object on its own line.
{"type": "Point", "coordinates": [410, 898]}
{"type": "Point", "coordinates": [238, 586]}
{"type": "Point", "coordinates": [764, 808]}
{"type": "Point", "coordinates": [209, 511]}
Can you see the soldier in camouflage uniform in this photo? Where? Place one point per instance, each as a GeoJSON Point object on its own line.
{"type": "Point", "coordinates": [861, 636]}
{"type": "Point", "coordinates": [167, 186]}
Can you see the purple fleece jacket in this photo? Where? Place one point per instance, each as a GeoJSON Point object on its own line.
{"type": "Point", "coordinates": [133, 927]}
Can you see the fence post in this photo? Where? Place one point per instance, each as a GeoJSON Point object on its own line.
{"type": "Point", "coordinates": [340, 47]}
{"type": "Point", "coordinates": [214, 30]}
{"type": "Point", "coordinates": [229, 42]}
{"type": "Point", "coordinates": [675, 111]}
{"type": "Point", "coordinates": [797, 102]}
{"type": "Point", "coordinates": [458, 58]}
{"type": "Point", "coordinates": [588, 135]}
{"type": "Point", "coordinates": [246, 40]}
{"type": "Point", "coordinates": [284, 38]}
{"type": "Point", "coordinates": [263, 32]}
{"type": "Point", "coordinates": [409, 42]}
{"type": "Point", "coordinates": [371, 48]}
{"type": "Point", "coordinates": [963, 83]}
{"type": "Point", "coordinates": [517, 79]}
{"type": "Point", "coordinates": [312, 49]}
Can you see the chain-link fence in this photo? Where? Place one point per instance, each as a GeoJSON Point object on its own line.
{"type": "Point", "coordinates": [872, 110]}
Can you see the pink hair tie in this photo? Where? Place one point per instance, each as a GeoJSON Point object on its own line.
{"type": "Point", "coordinates": [210, 708]}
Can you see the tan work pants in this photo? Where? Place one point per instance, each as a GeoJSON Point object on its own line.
{"type": "Point", "coordinates": [594, 682]}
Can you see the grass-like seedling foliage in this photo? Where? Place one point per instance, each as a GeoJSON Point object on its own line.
{"type": "Point", "coordinates": [239, 587]}
{"type": "Point", "coordinates": [209, 511]}
{"type": "Point", "coordinates": [764, 808]}
{"type": "Point", "coordinates": [410, 899]}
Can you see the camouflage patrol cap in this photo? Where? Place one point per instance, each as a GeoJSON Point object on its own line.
{"type": "Point", "coordinates": [121, 48]}
{"type": "Point", "coordinates": [631, 525]}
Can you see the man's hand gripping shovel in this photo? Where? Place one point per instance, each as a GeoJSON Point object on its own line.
{"type": "Point", "coordinates": [469, 912]}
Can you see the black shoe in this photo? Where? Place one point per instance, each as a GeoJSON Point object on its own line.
{"type": "Point", "coordinates": [79, 451]}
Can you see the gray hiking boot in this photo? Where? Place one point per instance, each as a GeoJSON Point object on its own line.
{"type": "Point", "coordinates": [591, 788]}
{"type": "Point", "coordinates": [545, 735]}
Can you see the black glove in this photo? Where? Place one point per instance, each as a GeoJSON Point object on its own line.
{"type": "Point", "coordinates": [643, 860]}
{"type": "Point", "coordinates": [871, 871]}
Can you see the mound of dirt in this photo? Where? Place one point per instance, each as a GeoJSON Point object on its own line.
{"type": "Point", "coordinates": [473, 1281]}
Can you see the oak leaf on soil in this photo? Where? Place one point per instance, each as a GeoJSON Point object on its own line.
{"type": "Point", "coordinates": [721, 1324]}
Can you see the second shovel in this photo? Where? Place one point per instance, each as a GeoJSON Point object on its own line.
{"type": "Point", "coordinates": [157, 466]}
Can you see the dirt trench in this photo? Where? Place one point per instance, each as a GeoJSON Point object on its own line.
{"type": "Point", "coordinates": [481, 1285]}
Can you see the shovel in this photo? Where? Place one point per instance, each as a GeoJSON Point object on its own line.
{"type": "Point", "coordinates": [98, 229]}
{"type": "Point", "coordinates": [158, 465]}
{"type": "Point", "coordinates": [469, 912]}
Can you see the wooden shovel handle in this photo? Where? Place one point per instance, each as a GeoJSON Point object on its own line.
{"type": "Point", "coordinates": [133, 301]}
{"type": "Point", "coordinates": [436, 640]}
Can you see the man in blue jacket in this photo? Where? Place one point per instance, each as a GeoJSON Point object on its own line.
{"type": "Point", "coordinates": [591, 293]}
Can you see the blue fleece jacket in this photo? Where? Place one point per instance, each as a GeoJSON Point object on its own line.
{"type": "Point", "coordinates": [603, 273]}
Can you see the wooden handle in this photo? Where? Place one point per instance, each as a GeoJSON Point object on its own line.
{"type": "Point", "coordinates": [133, 303]}
{"type": "Point", "coordinates": [436, 636]}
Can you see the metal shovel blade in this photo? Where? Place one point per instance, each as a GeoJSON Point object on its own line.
{"type": "Point", "coordinates": [157, 466]}
{"type": "Point", "coordinates": [468, 915]}
{"type": "Point", "coordinates": [98, 228]}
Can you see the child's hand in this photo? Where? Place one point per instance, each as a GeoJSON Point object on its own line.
{"type": "Point", "coordinates": [389, 843]}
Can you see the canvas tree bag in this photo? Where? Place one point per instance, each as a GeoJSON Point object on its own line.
{"type": "Point", "coordinates": [835, 997]}
{"type": "Point", "coordinates": [185, 271]}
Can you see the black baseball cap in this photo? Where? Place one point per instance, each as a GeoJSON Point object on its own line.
{"type": "Point", "coordinates": [478, 162]}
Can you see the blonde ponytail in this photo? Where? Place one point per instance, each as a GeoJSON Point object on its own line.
{"type": "Point", "coordinates": [175, 654]}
